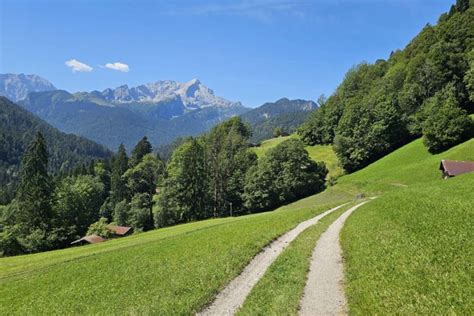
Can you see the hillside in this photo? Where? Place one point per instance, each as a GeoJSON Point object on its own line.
{"type": "Point", "coordinates": [165, 266]}
{"type": "Point", "coordinates": [17, 129]}
{"type": "Point", "coordinates": [284, 113]}
{"type": "Point", "coordinates": [424, 90]}
{"type": "Point", "coordinates": [110, 123]}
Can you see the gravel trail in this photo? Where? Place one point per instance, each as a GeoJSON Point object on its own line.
{"type": "Point", "coordinates": [324, 290]}
{"type": "Point", "coordinates": [231, 298]}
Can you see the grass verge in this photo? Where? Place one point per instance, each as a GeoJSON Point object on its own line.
{"type": "Point", "coordinates": [280, 289]}
{"type": "Point", "coordinates": [412, 251]}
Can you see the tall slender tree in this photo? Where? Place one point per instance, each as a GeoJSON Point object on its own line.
{"type": "Point", "coordinates": [118, 183]}
{"type": "Point", "coordinates": [34, 214]}
{"type": "Point", "coordinates": [141, 149]}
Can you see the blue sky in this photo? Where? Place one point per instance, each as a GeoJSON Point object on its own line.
{"type": "Point", "coordinates": [248, 51]}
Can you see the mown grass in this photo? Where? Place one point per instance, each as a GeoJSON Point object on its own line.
{"type": "Point", "coordinates": [317, 153]}
{"type": "Point", "coordinates": [410, 165]}
{"type": "Point", "coordinates": [168, 271]}
{"type": "Point", "coordinates": [412, 251]}
{"type": "Point", "coordinates": [280, 289]}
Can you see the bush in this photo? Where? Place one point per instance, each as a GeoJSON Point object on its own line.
{"type": "Point", "coordinates": [286, 173]}
{"type": "Point", "coordinates": [100, 228]}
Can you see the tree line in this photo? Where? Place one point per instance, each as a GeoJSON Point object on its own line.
{"type": "Point", "coordinates": [425, 90]}
{"type": "Point", "coordinates": [213, 175]}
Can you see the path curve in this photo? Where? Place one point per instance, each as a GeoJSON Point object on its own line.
{"type": "Point", "coordinates": [229, 300]}
{"type": "Point", "coordinates": [324, 292]}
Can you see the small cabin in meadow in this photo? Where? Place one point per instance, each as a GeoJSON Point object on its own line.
{"type": "Point", "coordinates": [91, 239]}
{"type": "Point", "coordinates": [120, 231]}
{"type": "Point", "coordinates": [452, 168]}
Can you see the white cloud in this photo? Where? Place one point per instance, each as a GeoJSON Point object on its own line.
{"type": "Point", "coordinates": [118, 66]}
{"type": "Point", "coordinates": [77, 66]}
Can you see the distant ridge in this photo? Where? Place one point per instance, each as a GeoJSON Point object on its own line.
{"type": "Point", "coordinates": [17, 86]}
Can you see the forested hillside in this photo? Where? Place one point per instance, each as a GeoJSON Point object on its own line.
{"type": "Point", "coordinates": [284, 115]}
{"type": "Point", "coordinates": [18, 128]}
{"type": "Point", "coordinates": [426, 89]}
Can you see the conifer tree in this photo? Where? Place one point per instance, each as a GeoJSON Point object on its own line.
{"type": "Point", "coordinates": [118, 185]}
{"type": "Point", "coordinates": [141, 149]}
{"type": "Point", "coordinates": [34, 214]}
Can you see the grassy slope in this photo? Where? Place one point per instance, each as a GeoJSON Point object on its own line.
{"type": "Point", "coordinates": [175, 270]}
{"type": "Point", "coordinates": [411, 250]}
{"type": "Point", "coordinates": [317, 153]}
{"type": "Point", "coordinates": [411, 208]}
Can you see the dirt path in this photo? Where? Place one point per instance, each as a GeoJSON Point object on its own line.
{"type": "Point", "coordinates": [234, 294]}
{"type": "Point", "coordinates": [324, 292]}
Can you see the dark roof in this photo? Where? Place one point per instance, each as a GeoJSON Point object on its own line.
{"type": "Point", "coordinates": [454, 167]}
{"type": "Point", "coordinates": [119, 230]}
{"type": "Point", "coordinates": [91, 239]}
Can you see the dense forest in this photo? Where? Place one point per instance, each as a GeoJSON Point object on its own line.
{"type": "Point", "coordinates": [213, 175]}
{"type": "Point", "coordinates": [18, 128]}
{"type": "Point", "coordinates": [426, 89]}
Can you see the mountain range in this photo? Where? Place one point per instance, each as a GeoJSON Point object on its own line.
{"type": "Point", "coordinates": [163, 110]}
{"type": "Point", "coordinates": [16, 87]}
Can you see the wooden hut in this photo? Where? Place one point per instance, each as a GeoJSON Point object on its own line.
{"type": "Point", "coordinates": [452, 168]}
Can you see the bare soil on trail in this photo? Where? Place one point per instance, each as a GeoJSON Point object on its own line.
{"type": "Point", "coordinates": [324, 290]}
{"type": "Point", "coordinates": [229, 300]}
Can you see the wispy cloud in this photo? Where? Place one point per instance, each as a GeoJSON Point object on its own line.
{"type": "Point", "coordinates": [118, 66]}
{"type": "Point", "coordinates": [262, 10]}
{"type": "Point", "coordinates": [77, 66]}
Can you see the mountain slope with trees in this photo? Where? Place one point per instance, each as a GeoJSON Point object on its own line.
{"type": "Point", "coordinates": [125, 115]}
{"type": "Point", "coordinates": [284, 114]}
{"type": "Point", "coordinates": [426, 89]}
{"type": "Point", "coordinates": [18, 127]}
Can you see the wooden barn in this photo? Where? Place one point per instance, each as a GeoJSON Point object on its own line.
{"type": "Point", "coordinates": [452, 168]}
{"type": "Point", "coordinates": [91, 239]}
{"type": "Point", "coordinates": [120, 231]}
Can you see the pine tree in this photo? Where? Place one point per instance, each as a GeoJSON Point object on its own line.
{"type": "Point", "coordinates": [34, 213]}
{"type": "Point", "coordinates": [141, 149]}
{"type": "Point", "coordinates": [118, 185]}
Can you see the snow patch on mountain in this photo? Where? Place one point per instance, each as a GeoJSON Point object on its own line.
{"type": "Point", "coordinates": [193, 94]}
{"type": "Point", "coordinates": [17, 86]}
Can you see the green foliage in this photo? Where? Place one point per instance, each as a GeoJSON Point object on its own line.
{"type": "Point", "coordinates": [31, 216]}
{"type": "Point", "coordinates": [118, 183]}
{"type": "Point", "coordinates": [447, 124]}
{"type": "Point", "coordinates": [141, 149]}
{"type": "Point", "coordinates": [144, 176]}
{"type": "Point", "coordinates": [379, 107]}
{"type": "Point", "coordinates": [121, 213]}
{"type": "Point", "coordinates": [100, 228]}
{"type": "Point", "coordinates": [140, 214]}
{"type": "Point", "coordinates": [185, 195]}
{"type": "Point", "coordinates": [284, 174]}
{"type": "Point", "coordinates": [77, 204]}
{"type": "Point", "coordinates": [228, 159]}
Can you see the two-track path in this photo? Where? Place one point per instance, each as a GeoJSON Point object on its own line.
{"type": "Point", "coordinates": [234, 294]}
{"type": "Point", "coordinates": [324, 290]}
